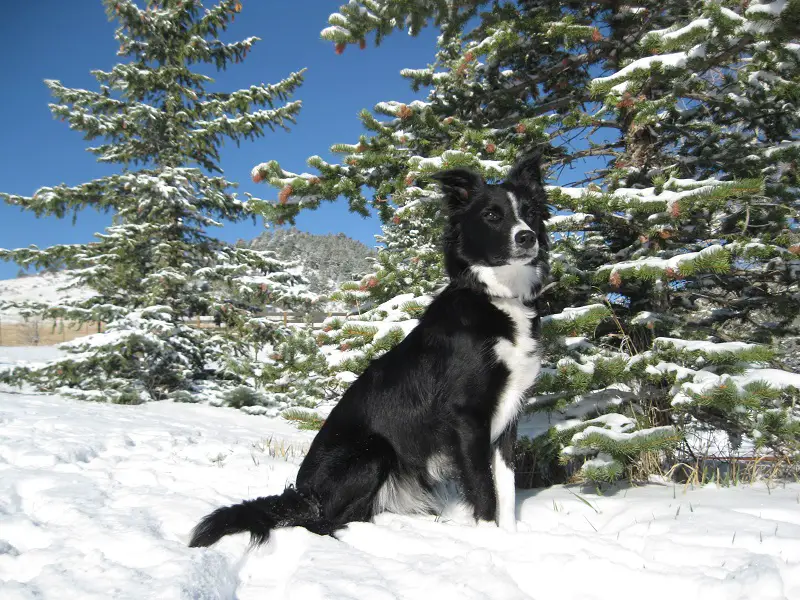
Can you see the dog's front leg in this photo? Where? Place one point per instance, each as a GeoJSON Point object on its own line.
{"type": "Point", "coordinates": [473, 457]}
{"type": "Point", "coordinates": [503, 473]}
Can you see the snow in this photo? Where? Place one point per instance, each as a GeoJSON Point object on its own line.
{"type": "Point", "coordinates": [26, 354]}
{"type": "Point", "coordinates": [573, 415]}
{"type": "Point", "coordinates": [570, 192]}
{"type": "Point", "coordinates": [705, 381]}
{"type": "Point", "coordinates": [675, 60]}
{"type": "Point", "coordinates": [573, 220]}
{"type": "Point", "coordinates": [772, 9]}
{"type": "Point", "coordinates": [730, 14]}
{"type": "Point", "coordinates": [668, 34]}
{"type": "Point", "coordinates": [393, 308]}
{"type": "Point", "coordinates": [97, 501]}
{"type": "Point", "coordinates": [780, 147]}
{"type": "Point", "coordinates": [620, 88]}
{"type": "Point", "coordinates": [619, 436]}
{"type": "Point", "coordinates": [335, 356]}
{"type": "Point", "coordinates": [490, 168]}
{"type": "Point", "coordinates": [669, 195]}
{"type": "Point", "coordinates": [705, 346]}
{"type": "Point", "coordinates": [663, 367]}
{"type": "Point", "coordinates": [647, 318]}
{"type": "Point", "coordinates": [46, 288]}
{"type": "Point", "coordinates": [600, 461]}
{"type": "Point", "coordinates": [662, 263]}
{"type": "Point", "coordinates": [571, 313]}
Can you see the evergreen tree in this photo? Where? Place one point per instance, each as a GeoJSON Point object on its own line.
{"type": "Point", "coordinates": [673, 250]}
{"type": "Point", "coordinates": [156, 269]}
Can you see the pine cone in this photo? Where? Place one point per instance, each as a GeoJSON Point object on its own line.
{"type": "Point", "coordinates": [626, 102]}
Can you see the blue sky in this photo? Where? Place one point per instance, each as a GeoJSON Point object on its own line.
{"type": "Point", "coordinates": [64, 40]}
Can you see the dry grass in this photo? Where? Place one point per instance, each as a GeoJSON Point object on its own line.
{"type": "Point", "coordinates": [275, 448]}
{"type": "Point", "coordinates": [44, 333]}
{"type": "Point", "coordinates": [730, 471]}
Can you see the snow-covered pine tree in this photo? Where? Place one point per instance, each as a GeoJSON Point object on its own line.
{"type": "Point", "coordinates": [673, 247]}
{"type": "Point", "coordinates": [156, 270]}
{"type": "Point", "coordinates": [715, 97]}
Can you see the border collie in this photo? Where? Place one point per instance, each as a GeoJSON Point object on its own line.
{"type": "Point", "coordinates": [443, 404]}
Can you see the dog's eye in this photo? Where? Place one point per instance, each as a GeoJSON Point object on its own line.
{"type": "Point", "coordinates": [531, 214]}
{"type": "Point", "coordinates": [491, 215]}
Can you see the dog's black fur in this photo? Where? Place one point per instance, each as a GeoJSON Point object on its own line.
{"type": "Point", "coordinates": [443, 403]}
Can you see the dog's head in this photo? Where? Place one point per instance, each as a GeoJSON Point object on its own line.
{"type": "Point", "coordinates": [495, 234]}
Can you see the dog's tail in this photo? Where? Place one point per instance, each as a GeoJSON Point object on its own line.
{"type": "Point", "coordinates": [292, 508]}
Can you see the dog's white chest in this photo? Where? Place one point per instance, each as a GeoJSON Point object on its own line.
{"type": "Point", "coordinates": [521, 357]}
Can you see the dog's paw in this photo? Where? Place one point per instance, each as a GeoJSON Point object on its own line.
{"type": "Point", "coordinates": [508, 524]}
{"type": "Point", "coordinates": [523, 527]}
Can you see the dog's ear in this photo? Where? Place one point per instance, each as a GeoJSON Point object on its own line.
{"type": "Point", "coordinates": [459, 185]}
{"type": "Point", "coordinates": [528, 171]}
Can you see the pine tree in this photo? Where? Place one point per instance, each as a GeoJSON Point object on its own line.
{"type": "Point", "coordinates": [673, 250]}
{"type": "Point", "coordinates": [156, 270]}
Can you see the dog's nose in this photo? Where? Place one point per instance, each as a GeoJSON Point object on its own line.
{"type": "Point", "coordinates": [525, 239]}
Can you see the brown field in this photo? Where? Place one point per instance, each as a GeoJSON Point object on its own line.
{"type": "Point", "coordinates": [44, 333]}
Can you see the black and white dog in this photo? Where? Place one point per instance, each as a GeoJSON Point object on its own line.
{"type": "Point", "coordinates": [443, 404]}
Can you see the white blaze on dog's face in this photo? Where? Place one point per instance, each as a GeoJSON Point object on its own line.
{"type": "Point", "coordinates": [501, 232]}
{"type": "Point", "coordinates": [497, 231]}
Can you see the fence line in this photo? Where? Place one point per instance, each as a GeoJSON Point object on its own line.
{"type": "Point", "coordinates": [35, 332]}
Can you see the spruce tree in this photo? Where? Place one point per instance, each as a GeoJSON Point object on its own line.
{"type": "Point", "coordinates": [156, 271]}
{"type": "Point", "coordinates": [675, 243]}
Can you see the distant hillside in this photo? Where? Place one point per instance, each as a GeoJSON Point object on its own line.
{"type": "Point", "coordinates": [328, 260]}
{"type": "Point", "coordinates": [45, 288]}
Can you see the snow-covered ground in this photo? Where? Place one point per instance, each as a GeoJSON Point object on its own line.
{"type": "Point", "coordinates": [46, 288]}
{"type": "Point", "coordinates": [97, 501]}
